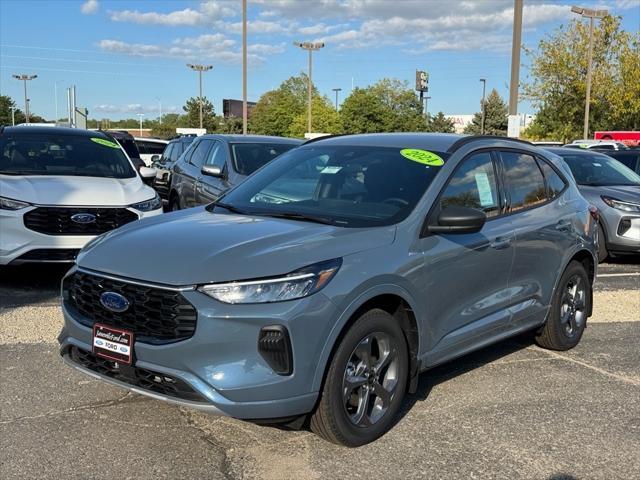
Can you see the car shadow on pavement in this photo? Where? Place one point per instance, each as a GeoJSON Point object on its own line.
{"type": "Point", "coordinates": [31, 284]}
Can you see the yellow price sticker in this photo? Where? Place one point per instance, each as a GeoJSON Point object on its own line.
{"type": "Point", "coordinates": [422, 156]}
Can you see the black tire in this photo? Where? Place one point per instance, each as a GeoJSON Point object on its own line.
{"type": "Point", "coordinates": [174, 203]}
{"type": "Point", "coordinates": [567, 317]}
{"type": "Point", "coordinates": [332, 418]}
{"type": "Point", "coordinates": [602, 244]}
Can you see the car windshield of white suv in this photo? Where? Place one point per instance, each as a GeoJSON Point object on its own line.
{"type": "Point", "coordinates": [599, 170]}
{"type": "Point", "coordinates": [249, 157]}
{"type": "Point", "coordinates": [66, 155]}
{"type": "Point", "coordinates": [349, 186]}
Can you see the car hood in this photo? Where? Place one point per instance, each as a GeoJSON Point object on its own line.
{"type": "Point", "coordinates": [628, 193]}
{"type": "Point", "coordinates": [77, 191]}
{"type": "Point", "coordinates": [196, 246]}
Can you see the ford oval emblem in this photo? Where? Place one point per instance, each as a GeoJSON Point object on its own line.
{"type": "Point", "coordinates": [114, 301]}
{"type": "Point", "coordinates": [83, 218]}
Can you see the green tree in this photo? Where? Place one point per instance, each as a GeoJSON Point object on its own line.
{"type": "Point", "coordinates": [557, 80]}
{"type": "Point", "coordinates": [192, 114]}
{"type": "Point", "coordinates": [363, 112]}
{"type": "Point", "coordinates": [277, 109]}
{"type": "Point", "coordinates": [439, 123]}
{"type": "Point", "coordinates": [496, 117]}
{"type": "Point", "coordinates": [6, 102]}
{"type": "Point", "coordinates": [325, 119]}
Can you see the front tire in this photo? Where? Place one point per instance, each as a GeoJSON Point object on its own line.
{"type": "Point", "coordinates": [365, 383]}
{"type": "Point", "coordinates": [567, 318]}
{"type": "Point", "coordinates": [174, 203]}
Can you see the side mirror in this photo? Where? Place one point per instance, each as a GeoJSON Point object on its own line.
{"type": "Point", "coordinates": [211, 170]}
{"type": "Point", "coordinates": [146, 172]}
{"type": "Point", "coordinates": [459, 220]}
{"type": "Point", "coordinates": [155, 158]}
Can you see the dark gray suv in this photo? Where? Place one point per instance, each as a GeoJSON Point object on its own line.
{"type": "Point", "coordinates": [215, 163]}
{"type": "Point", "coordinates": [325, 283]}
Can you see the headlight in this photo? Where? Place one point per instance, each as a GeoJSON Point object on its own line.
{"type": "Point", "coordinates": [297, 284]}
{"type": "Point", "coordinates": [10, 204]}
{"type": "Point", "coordinates": [148, 205]}
{"type": "Point", "coordinates": [620, 205]}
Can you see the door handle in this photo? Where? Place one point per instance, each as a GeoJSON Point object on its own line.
{"type": "Point", "coordinates": [500, 243]}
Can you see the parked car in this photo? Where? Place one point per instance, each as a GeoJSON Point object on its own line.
{"type": "Point", "coordinates": [404, 252]}
{"type": "Point", "coordinates": [164, 163]}
{"type": "Point", "coordinates": [60, 187]}
{"type": "Point", "coordinates": [148, 147]}
{"type": "Point", "coordinates": [216, 163]}
{"type": "Point", "coordinates": [615, 190]}
{"type": "Point", "coordinates": [629, 158]}
{"type": "Point", "coordinates": [128, 144]}
{"type": "Point", "coordinates": [597, 144]}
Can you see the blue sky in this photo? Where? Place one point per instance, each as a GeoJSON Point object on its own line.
{"type": "Point", "coordinates": [127, 56]}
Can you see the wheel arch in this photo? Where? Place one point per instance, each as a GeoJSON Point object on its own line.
{"type": "Point", "coordinates": [586, 258]}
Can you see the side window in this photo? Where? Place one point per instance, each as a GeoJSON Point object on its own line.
{"type": "Point", "coordinates": [167, 152]}
{"type": "Point", "coordinates": [523, 180]}
{"type": "Point", "coordinates": [178, 148]}
{"type": "Point", "coordinates": [142, 147]}
{"type": "Point", "coordinates": [199, 153]}
{"type": "Point", "coordinates": [473, 185]}
{"type": "Point", "coordinates": [555, 184]}
{"type": "Point", "coordinates": [216, 155]}
{"type": "Point", "coordinates": [155, 148]}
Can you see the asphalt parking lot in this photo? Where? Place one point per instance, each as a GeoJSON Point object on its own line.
{"type": "Point", "coordinates": [510, 411]}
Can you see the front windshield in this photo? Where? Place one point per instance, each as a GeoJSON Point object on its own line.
{"type": "Point", "coordinates": [249, 157]}
{"type": "Point", "coordinates": [350, 186]}
{"type": "Point", "coordinates": [599, 170]}
{"type": "Point", "coordinates": [51, 154]}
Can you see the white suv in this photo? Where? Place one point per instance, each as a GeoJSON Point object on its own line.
{"type": "Point", "coordinates": [60, 187]}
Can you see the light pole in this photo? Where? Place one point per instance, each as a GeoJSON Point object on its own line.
{"type": "Point", "coordinates": [516, 46]}
{"type": "Point", "coordinates": [591, 15]}
{"type": "Point", "coordinates": [24, 77]}
{"type": "Point", "coordinates": [484, 109]}
{"type": "Point", "coordinates": [140, 115]}
{"type": "Point", "coordinates": [245, 114]}
{"type": "Point", "coordinates": [336, 90]}
{"type": "Point", "coordinates": [426, 110]}
{"type": "Point", "coordinates": [13, 115]}
{"type": "Point", "coordinates": [310, 47]}
{"type": "Point", "coordinates": [200, 69]}
{"type": "Point", "coordinates": [159, 110]}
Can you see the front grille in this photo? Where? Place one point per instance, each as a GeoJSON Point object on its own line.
{"type": "Point", "coordinates": [50, 255]}
{"type": "Point", "coordinates": [155, 315]}
{"type": "Point", "coordinates": [139, 377]}
{"type": "Point", "coordinates": [57, 220]}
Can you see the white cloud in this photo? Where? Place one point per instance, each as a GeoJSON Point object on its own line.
{"type": "Point", "coordinates": [208, 13]}
{"type": "Point", "coordinates": [626, 4]}
{"type": "Point", "coordinates": [90, 7]}
{"type": "Point", "coordinates": [263, 49]}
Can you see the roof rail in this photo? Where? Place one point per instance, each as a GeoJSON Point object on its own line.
{"type": "Point", "coordinates": [471, 138]}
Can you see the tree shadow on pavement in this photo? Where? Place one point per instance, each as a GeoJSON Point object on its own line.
{"type": "Point", "coordinates": [31, 284]}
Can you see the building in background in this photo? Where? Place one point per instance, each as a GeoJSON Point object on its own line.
{"type": "Point", "coordinates": [460, 122]}
{"type": "Point", "coordinates": [233, 108]}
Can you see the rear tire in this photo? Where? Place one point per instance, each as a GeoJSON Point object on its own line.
{"type": "Point", "coordinates": [567, 318]}
{"type": "Point", "coordinates": [365, 382]}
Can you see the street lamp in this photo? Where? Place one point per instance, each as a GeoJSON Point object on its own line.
{"type": "Point", "coordinates": [591, 15]}
{"type": "Point", "coordinates": [336, 90]}
{"type": "Point", "coordinates": [484, 109]}
{"type": "Point", "coordinates": [310, 47]}
{"type": "Point", "coordinates": [200, 69]}
{"type": "Point", "coordinates": [24, 77]}
{"type": "Point", "coordinates": [140, 115]}
{"type": "Point", "coordinates": [13, 115]}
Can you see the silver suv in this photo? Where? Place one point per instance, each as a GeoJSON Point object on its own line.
{"type": "Point", "coordinates": [325, 283]}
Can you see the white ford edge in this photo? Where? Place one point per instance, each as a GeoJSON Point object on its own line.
{"type": "Point", "coordinates": [60, 187]}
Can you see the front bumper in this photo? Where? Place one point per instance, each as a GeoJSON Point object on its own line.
{"type": "Point", "coordinates": [623, 233]}
{"type": "Point", "coordinates": [221, 362]}
{"type": "Point", "coordinates": [16, 240]}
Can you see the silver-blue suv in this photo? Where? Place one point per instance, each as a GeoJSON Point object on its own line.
{"type": "Point", "coordinates": [324, 284]}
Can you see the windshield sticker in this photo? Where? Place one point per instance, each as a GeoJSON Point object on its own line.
{"type": "Point", "coordinates": [429, 159]}
{"type": "Point", "coordinates": [331, 170]}
{"type": "Point", "coordinates": [484, 189]}
{"type": "Point", "coordinates": [106, 143]}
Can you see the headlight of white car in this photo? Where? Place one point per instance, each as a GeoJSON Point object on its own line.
{"type": "Point", "coordinates": [297, 284]}
{"type": "Point", "coordinates": [620, 205]}
{"type": "Point", "coordinates": [11, 204]}
{"type": "Point", "coordinates": [148, 205]}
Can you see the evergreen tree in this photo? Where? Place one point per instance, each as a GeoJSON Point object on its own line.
{"type": "Point", "coordinates": [496, 117]}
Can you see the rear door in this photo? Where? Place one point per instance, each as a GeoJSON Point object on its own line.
{"type": "Point", "coordinates": [190, 173]}
{"type": "Point", "coordinates": [545, 228]}
{"type": "Point", "coordinates": [209, 188]}
{"type": "Point", "coordinates": [466, 285]}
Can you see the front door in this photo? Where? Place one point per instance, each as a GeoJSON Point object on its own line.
{"type": "Point", "coordinates": [209, 188]}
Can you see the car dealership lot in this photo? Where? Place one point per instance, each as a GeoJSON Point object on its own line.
{"type": "Point", "coordinates": [510, 411]}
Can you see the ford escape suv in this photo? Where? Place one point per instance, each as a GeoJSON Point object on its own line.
{"type": "Point", "coordinates": [325, 283]}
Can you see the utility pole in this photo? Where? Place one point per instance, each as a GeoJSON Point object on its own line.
{"type": "Point", "coordinates": [245, 113]}
{"type": "Point", "coordinates": [200, 69]}
{"type": "Point", "coordinates": [140, 115]}
{"type": "Point", "coordinates": [336, 90]}
{"type": "Point", "coordinates": [514, 123]}
{"type": "Point", "coordinates": [13, 115]}
{"type": "Point", "coordinates": [25, 78]}
{"type": "Point", "coordinates": [159, 110]}
{"type": "Point", "coordinates": [591, 15]}
{"type": "Point", "coordinates": [484, 108]}
{"type": "Point", "coordinates": [310, 47]}
{"type": "Point", "coordinates": [426, 110]}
